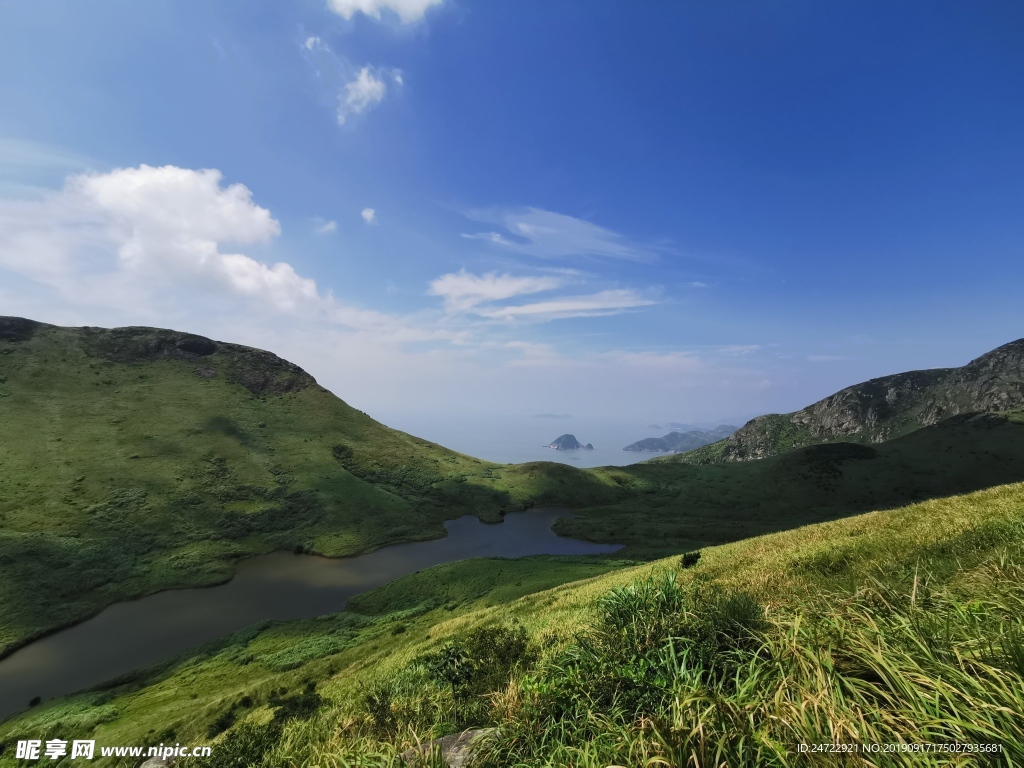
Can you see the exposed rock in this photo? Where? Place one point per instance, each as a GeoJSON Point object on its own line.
{"type": "Point", "coordinates": [566, 443]}
{"type": "Point", "coordinates": [884, 408]}
{"type": "Point", "coordinates": [137, 344]}
{"type": "Point", "coordinates": [257, 370]}
{"type": "Point", "coordinates": [263, 372]}
{"type": "Point", "coordinates": [18, 328]}
{"type": "Point", "coordinates": [456, 749]}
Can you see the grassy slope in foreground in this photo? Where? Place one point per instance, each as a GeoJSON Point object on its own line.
{"type": "Point", "coordinates": [899, 625]}
{"type": "Point", "coordinates": [136, 459]}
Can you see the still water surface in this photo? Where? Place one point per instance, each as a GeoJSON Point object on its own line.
{"type": "Point", "coordinates": [281, 585]}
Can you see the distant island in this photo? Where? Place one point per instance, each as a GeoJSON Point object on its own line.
{"type": "Point", "coordinates": [569, 443]}
{"type": "Point", "coordinates": [679, 442]}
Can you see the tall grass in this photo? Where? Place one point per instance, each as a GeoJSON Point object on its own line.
{"type": "Point", "coordinates": [891, 664]}
{"type": "Point", "coordinates": [673, 674]}
{"type": "Point", "coordinates": [694, 675]}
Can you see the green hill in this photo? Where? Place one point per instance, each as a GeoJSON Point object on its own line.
{"type": "Point", "coordinates": [138, 459]}
{"type": "Point", "coordinates": [900, 626]}
{"type": "Point", "coordinates": [881, 409]}
{"type": "Point", "coordinates": [682, 441]}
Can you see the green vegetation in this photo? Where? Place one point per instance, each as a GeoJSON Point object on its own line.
{"type": "Point", "coordinates": [904, 625]}
{"type": "Point", "coordinates": [683, 506]}
{"type": "Point", "coordinates": [134, 460]}
{"type": "Point", "coordinates": [682, 441]}
{"type": "Point", "coordinates": [881, 409]}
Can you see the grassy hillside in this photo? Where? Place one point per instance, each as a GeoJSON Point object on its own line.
{"type": "Point", "coordinates": [677, 442]}
{"type": "Point", "coordinates": [135, 459]}
{"type": "Point", "coordinates": [881, 409]}
{"type": "Point", "coordinates": [898, 626]}
{"type": "Point", "coordinates": [690, 506]}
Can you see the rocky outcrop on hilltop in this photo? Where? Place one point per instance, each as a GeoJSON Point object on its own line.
{"type": "Point", "coordinates": [18, 328]}
{"type": "Point", "coordinates": [257, 370]}
{"type": "Point", "coordinates": [883, 408]}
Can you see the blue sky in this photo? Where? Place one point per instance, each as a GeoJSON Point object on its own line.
{"type": "Point", "coordinates": [464, 213]}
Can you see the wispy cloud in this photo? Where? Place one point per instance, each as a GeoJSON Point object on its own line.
{"type": "Point", "coordinates": [826, 358]}
{"type": "Point", "coordinates": [661, 361]}
{"type": "Point", "coordinates": [29, 168]}
{"type": "Point", "coordinates": [324, 227]}
{"type": "Point", "coordinates": [547, 235]}
{"type": "Point", "coordinates": [407, 11]}
{"type": "Point", "coordinates": [736, 350]}
{"type": "Point", "coordinates": [599, 304]}
{"type": "Point", "coordinates": [366, 90]}
{"type": "Point", "coordinates": [463, 291]}
{"type": "Point", "coordinates": [483, 296]}
{"type": "Point", "coordinates": [353, 90]}
{"type": "Point", "coordinates": [369, 215]}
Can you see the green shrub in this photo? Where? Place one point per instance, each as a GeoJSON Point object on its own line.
{"type": "Point", "coordinates": [648, 640]}
{"type": "Point", "coordinates": [300, 706]}
{"type": "Point", "coordinates": [244, 747]}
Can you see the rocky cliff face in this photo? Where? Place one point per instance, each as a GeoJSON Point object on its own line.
{"type": "Point", "coordinates": [884, 408]}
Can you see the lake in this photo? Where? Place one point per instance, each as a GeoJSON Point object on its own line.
{"type": "Point", "coordinates": [137, 633]}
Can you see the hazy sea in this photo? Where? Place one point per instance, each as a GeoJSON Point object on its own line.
{"type": "Point", "coordinates": [514, 442]}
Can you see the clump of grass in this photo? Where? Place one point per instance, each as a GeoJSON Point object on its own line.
{"type": "Point", "coordinates": [649, 641]}
{"type": "Point", "coordinates": [908, 663]}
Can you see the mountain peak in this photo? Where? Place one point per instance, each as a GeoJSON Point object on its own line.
{"type": "Point", "coordinates": [883, 408]}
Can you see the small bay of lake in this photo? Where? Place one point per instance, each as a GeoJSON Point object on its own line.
{"type": "Point", "coordinates": [138, 633]}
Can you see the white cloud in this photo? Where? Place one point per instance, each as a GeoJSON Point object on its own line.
{"type": "Point", "coordinates": [138, 236]}
{"type": "Point", "coordinates": [826, 358]}
{"type": "Point", "coordinates": [482, 295]}
{"type": "Point", "coordinates": [660, 361]}
{"type": "Point", "coordinates": [369, 215]}
{"type": "Point", "coordinates": [181, 248]}
{"type": "Point", "coordinates": [365, 91]}
{"type": "Point", "coordinates": [326, 227]}
{"type": "Point", "coordinates": [408, 11]}
{"type": "Point", "coordinates": [735, 350]}
{"type": "Point", "coordinates": [173, 220]}
{"type": "Point", "coordinates": [352, 89]}
{"type": "Point", "coordinates": [545, 234]}
{"type": "Point", "coordinates": [463, 291]}
{"type": "Point", "coordinates": [610, 302]}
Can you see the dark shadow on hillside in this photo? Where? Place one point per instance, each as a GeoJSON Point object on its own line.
{"type": "Point", "coordinates": [673, 505]}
